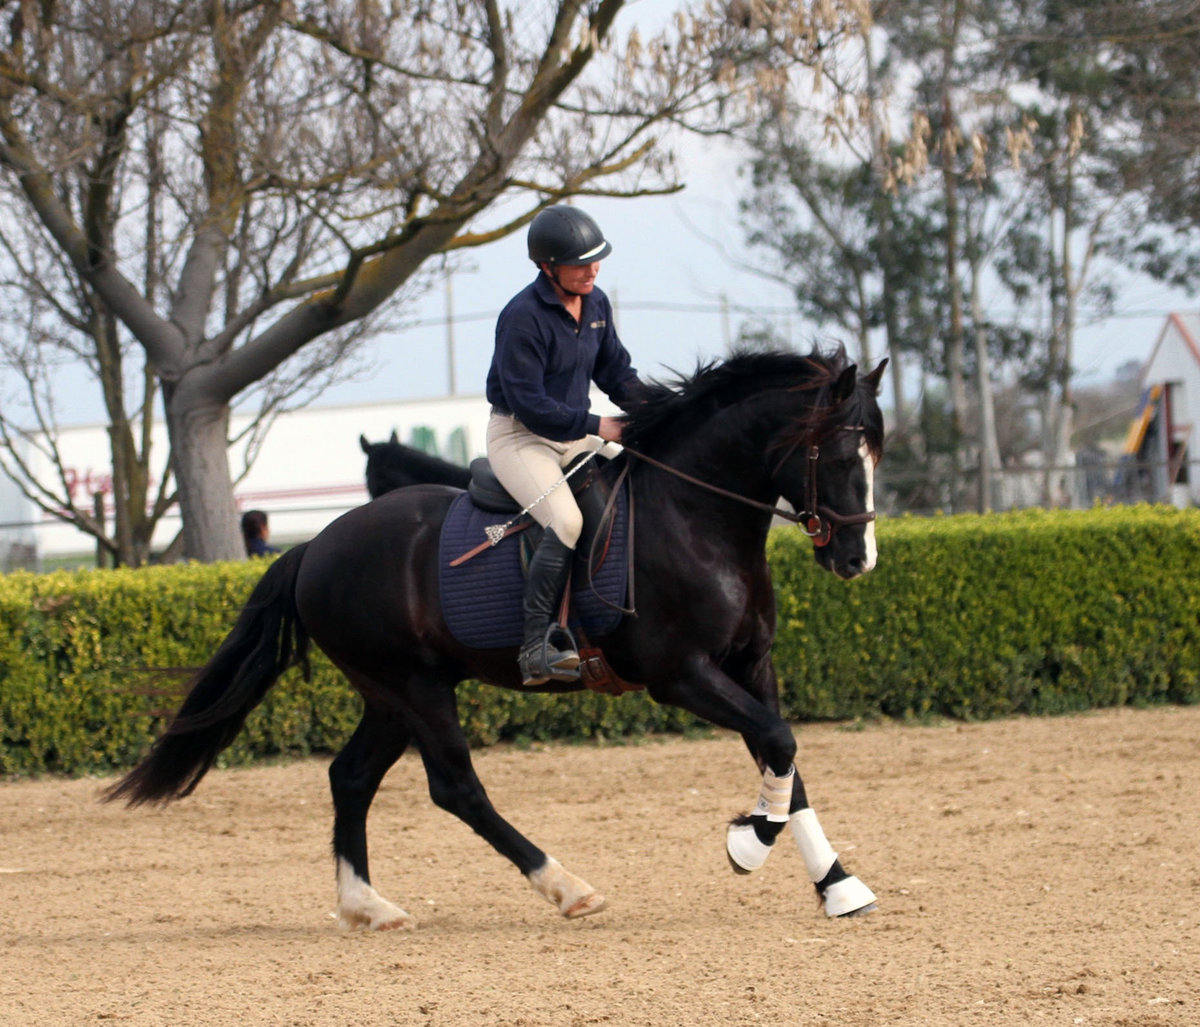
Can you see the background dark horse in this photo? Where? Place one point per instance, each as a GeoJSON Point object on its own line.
{"type": "Point", "coordinates": [393, 465]}
{"type": "Point", "coordinates": [366, 591]}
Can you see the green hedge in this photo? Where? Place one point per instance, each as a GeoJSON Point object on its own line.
{"type": "Point", "coordinates": [982, 616]}
{"type": "Point", "coordinates": [93, 662]}
{"type": "Point", "coordinates": [964, 616]}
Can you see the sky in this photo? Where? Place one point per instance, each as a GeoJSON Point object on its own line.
{"type": "Point", "coordinates": [674, 277]}
{"type": "Point", "coordinates": [680, 281]}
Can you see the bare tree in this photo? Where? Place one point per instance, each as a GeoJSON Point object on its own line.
{"type": "Point", "coordinates": [234, 181]}
{"type": "Point", "coordinates": [50, 317]}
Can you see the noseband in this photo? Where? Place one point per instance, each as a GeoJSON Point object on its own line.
{"type": "Point", "coordinates": [820, 522]}
{"type": "Point", "coordinates": [816, 521]}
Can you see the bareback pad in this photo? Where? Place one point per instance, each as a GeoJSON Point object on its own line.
{"type": "Point", "coordinates": [481, 598]}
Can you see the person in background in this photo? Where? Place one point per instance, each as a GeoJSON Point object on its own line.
{"type": "Point", "coordinates": [255, 533]}
{"type": "Point", "coordinates": [553, 340]}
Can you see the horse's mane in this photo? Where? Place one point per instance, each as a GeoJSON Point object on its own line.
{"type": "Point", "coordinates": [670, 408]}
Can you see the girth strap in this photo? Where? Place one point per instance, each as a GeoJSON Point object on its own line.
{"type": "Point", "coordinates": [604, 530]}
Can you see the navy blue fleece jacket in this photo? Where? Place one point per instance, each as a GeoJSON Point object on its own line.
{"type": "Point", "coordinates": [542, 366]}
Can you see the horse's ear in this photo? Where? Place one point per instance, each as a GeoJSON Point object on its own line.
{"type": "Point", "coordinates": [366, 446]}
{"type": "Point", "coordinates": [876, 376]}
{"type": "Point", "coordinates": [395, 439]}
{"type": "Point", "coordinates": [843, 388]}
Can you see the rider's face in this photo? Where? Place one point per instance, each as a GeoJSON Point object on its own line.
{"type": "Point", "coordinates": [578, 278]}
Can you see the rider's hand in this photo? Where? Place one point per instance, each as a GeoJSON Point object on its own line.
{"type": "Point", "coordinates": [610, 429]}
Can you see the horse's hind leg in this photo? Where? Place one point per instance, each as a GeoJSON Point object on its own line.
{"type": "Point", "coordinates": [454, 786]}
{"type": "Point", "coordinates": [354, 777]}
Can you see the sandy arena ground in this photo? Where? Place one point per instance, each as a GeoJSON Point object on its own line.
{"type": "Point", "coordinates": [1028, 871]}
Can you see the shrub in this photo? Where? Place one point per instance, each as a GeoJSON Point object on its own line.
{"type": "Point", "coordinates": [982, 616]}
{"type": "Point", "coordinates": [965, 616]}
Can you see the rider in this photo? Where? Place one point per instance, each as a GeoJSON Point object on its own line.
{"type": "Point", "coordinates": [553, 339]}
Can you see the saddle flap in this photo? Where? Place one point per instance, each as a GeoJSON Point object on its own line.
{"type": "Point", "coordinates": [488, 494]}
{"type": "Point", "coordinates": [481, 596]}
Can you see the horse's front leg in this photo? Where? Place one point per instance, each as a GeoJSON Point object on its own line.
{"type": "Point", "coordinates": [782, 800]}
{"type": "Point", "coordinates": [753, 700]}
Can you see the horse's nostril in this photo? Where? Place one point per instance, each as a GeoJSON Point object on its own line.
{"type": "Point", "coordinates": [853, 567]}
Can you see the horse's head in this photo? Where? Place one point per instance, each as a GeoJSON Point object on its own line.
{"type": "Point", "coordinates": [393, 465]}
{"type": "Point", "coordinates": [386, 469]}
{"type": "Point", "coordinates": [826, 471]}
{"type": "Point", "coordinates": [763, 424]}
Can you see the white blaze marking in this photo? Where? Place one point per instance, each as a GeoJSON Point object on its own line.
{"type": "Point", "coordinates": [872, 554]}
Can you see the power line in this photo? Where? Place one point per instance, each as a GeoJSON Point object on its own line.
{"type": "Point", "coordinates": [664, 307]}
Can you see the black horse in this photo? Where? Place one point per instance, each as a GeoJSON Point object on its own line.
{"type": "Point", "coordinates": [714, 451]}
{"type": "Point", "coordinates": [393, 465]}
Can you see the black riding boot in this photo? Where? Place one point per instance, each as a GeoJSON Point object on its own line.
{"type": "Point", "coordinates": [548, 652]}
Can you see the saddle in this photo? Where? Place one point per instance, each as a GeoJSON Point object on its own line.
{"type": "Point", "coordinates": [481, 584]}
{"type": "Point", "coordinates": [488, 494]}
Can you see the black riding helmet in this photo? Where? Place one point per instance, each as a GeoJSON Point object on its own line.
{"type": "Point", "coordinates": [565, 236]}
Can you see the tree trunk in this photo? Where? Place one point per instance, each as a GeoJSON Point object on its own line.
{"type": "Point", "coordinates": [956, 335]}
{"type": "Point", "coordinates": [891, 321]}
{"type": "Point", "coordinates": [1063, 455]}
{"type": "Point", "coordinates": [883, 204]}
{"type": "Point", "coordinates": [989, 445]}
{"type": "Point", "coordinates": [1056, 419]}
{"type": "Point", "coordinates": [199, 432]}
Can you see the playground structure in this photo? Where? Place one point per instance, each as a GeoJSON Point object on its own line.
{"type": "Point", "coordinates": [1163, 443]}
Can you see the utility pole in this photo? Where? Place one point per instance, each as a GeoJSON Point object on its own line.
{"type": "Point", "coordinates": [453, 379]}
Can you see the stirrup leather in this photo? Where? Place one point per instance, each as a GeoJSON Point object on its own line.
{"type": "Point", "coordinates": [544, 660]}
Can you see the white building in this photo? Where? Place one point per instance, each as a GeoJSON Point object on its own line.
{"type": "Point", "coordinates": [18, 540]}
{"type": "Point", "coordinates": [1166, 438]}
{"type": "Point", "coordinates": [310, 468]}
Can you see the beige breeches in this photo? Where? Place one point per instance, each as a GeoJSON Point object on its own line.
{"type": "Point", "coordinates": [527, 465]}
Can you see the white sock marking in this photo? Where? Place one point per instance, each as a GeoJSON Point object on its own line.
{"type": "Point", "coordinates": [360, 905]}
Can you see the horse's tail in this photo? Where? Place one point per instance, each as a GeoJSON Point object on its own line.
{"type": "Point", "coordinates": [267, 639]}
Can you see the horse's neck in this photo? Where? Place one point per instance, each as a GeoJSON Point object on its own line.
{"type": "Point", "coordinates": [728, 452]}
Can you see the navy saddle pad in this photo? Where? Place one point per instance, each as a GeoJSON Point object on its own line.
{"type": "Point", "coordinates": [481, 598]}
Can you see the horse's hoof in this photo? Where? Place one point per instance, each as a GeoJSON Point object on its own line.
{"type": "Point", "coordinates": [572, 895]}
{"type": "Point", "coordinates": [363, 921]}
{"type": "Point", "coordinates": [849, 897]}
{"type": "Point", "coordinates": [746, 853]}
{"type": "Point", "coordinates": [404, 923]}
{"type": "Point", "coordinates": [586, 906]}
{"type": "Point", "coordinates": [741, 871]}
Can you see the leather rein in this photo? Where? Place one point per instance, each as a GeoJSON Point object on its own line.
{"type": "Point", "coordinates": [816, 521]}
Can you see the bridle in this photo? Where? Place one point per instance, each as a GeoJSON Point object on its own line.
{"type": "Point", "coordinates": [822, 521]}
{"type": "Point", "coordinates": [816, 521]}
